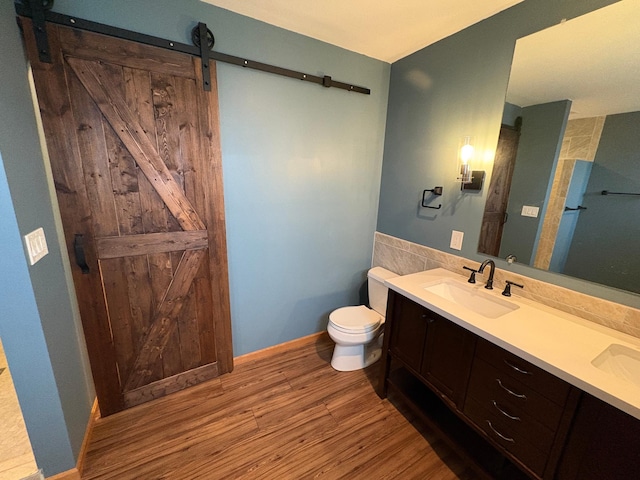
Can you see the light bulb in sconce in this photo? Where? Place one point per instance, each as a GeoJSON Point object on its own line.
{"type": "Point", "coordinates": [466, 154]}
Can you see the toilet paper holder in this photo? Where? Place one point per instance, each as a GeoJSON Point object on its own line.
{"type": "Point", "coordinates": [434, 191]}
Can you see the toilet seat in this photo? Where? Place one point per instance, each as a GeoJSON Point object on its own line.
{"type": "Point", "coordinates": [355, 320]}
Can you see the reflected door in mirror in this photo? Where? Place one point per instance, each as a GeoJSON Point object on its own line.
{"type": "Point", "coordinates": [495, 213]}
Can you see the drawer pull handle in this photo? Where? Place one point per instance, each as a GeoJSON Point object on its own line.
{"type": "Point", "coordinates": [518, 395]}
{"type": "Point", "coordinates": [519, 370]}
{"type": "Point", "coordinates": [512, 417]}
{"type": "Point", "coordinates": [508, 439]}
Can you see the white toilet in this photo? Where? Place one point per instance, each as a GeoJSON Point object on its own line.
{"type": "Point", "coordinates": [357, 330]}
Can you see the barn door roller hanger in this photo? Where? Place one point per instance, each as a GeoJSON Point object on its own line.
{"type": "Point", "coordinates": [203, 40]}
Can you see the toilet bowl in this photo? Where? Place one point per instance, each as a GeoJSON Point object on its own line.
{"type": "Point", "coordinates": [357, 330]}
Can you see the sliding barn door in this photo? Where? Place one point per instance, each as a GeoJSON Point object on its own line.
{"type": "Point", "coordinates": [133, 140]}
{"type": "Point", "coordinates": [495, 210]}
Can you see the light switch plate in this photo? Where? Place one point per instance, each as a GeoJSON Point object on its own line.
{"type": "Point", "coordinates": [529, 211]}
{"type": "Point", "coordinates": [36, 245]}
{"type": "Point", "coordinates": [456, 240]}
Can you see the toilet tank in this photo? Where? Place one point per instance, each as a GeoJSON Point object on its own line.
{"type": "Point", "coordinates": [377, 289]}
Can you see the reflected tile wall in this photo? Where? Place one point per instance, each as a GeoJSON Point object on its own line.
{"type": "Point", "coordinates": [403, 258]}
{"type": "Point", "coordinates": [580, 142]}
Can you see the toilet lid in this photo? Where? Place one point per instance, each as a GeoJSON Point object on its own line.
{"type": "Point", "coordinates": [358, 319]}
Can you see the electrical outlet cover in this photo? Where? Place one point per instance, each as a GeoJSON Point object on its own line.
{"type": "Point", "coordinates": [530, 211]}
{"type": "Point", "coordinates": [36, 245]}
{"type": "Point", "coordinates": [456, 240]}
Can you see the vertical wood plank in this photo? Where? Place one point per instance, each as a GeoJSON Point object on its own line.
{"type": "Point", "coordinates": [209, 163]}
{"type": "Point", "coordinates": [200, 325]}
{"type": "Point", "coordinates": [66, 165]}
{"type": "Point", "coordinates": [169, 148]}
{"type": "Point", "coordinates": [187, 331]}
{"type": "Point", "coordinates": [166, 128]}
{"type": "Point", "coordinates": [115, 286]}
{"type": "Point", "coordinates": [124, 181]}
{"type": "Point", "coordinates": [206, 313]}
{"type": "Point", "coordinates": [155, 276]}
{"type": "Point", "coordinates": [187, 136]}
{"type": "Point", "coordinates": [140, 296]}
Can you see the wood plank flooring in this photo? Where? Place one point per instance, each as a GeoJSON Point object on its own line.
{"type": "Point", "coordinates": [284, 415]}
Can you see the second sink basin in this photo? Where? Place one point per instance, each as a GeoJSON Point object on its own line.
{"type": "Point", "coordinates": [471, 298]}
{"type": "Point", "coordinates": [621, 361]}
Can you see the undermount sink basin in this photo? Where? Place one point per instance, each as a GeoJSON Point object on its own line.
{"type": "Point", "coordinates": [621, 361]}
{"type": "Point", "coordinates": [471, 298]}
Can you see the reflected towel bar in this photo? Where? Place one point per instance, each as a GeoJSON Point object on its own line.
{"type": "Point", "coordinates": [607, 192]}
{"type": "Point", "coordinates": [579, 207]}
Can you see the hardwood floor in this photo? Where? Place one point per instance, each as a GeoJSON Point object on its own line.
{"type": "Point", "coordinates": [284, 415]}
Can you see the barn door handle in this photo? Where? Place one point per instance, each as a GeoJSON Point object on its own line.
{"type": "Point", "coordinates": [78, 249]}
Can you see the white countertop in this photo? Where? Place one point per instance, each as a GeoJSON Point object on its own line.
{"type": "Point", "coordinates": [555, 341]}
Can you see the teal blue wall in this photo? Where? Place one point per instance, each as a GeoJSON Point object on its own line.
{"type": "Point", "coordinates": [607, 232]}
{"type": "Point", "coordinates": [538, 150]}
{"type": "Point", "coordinates": [510, 114]}
{"type": "Point", "coordinates": [302, 167]}
{"type": "Point", "coordinates": [23, 339]}
{"type": "Point", "coordinates": [452, 88]}
{"type": "Point", "coordinates": [37, 325]}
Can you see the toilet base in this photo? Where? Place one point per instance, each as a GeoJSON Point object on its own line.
{"type": "Point", "coordinates": [347, 358]}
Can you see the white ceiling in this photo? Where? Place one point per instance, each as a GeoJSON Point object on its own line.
{"type": "Point", "coordinates": [592, 60]}
{"type": "Point", "coordinates": [385, 31]}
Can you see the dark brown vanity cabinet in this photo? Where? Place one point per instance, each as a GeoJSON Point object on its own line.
{"type": "Point", "coordinates": [409, 331]}
{"type": "Point", "coordinates": [518, 406]}
{"type": "Point", "coordinates": [431, 347]}
{"type": "Point", "coordinates": [447, 357]}
{"type": "Point", "coordinates": [603, 444]}
{"type": "Point", "coordinates": [507, 417]}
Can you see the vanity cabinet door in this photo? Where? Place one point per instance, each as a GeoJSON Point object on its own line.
{"type": "Point", "coordinates": [447, 358]}
{"type": "Point", "coordinates": [408, 331]}
{"type": "Point", "coordinates": [602, 444]}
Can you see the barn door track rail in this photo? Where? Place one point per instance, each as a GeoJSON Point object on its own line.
{"type": "Point", "coordinates": [40, 12]}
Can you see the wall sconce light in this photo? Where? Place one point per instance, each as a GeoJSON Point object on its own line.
{"type": "Point", "coordinates": [466, 153]}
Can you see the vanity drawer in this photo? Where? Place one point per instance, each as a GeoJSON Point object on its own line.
{"type": "Point", "coordinates": [511, 436]}
{"type": "Point", "coordinates": [488, 384]}
{"type": "Point", "coordinates": [534, 418]}
{"type": "Point", "coordinates": [524, 372]}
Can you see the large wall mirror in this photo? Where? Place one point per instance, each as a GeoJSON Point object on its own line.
{"type": "Point", "coordinates": [565, 189]}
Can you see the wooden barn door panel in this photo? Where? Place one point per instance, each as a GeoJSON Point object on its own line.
{"type": "Point", "coordinates": [495, 210]}
{"type": "Point", "coordinates": [134, 147]}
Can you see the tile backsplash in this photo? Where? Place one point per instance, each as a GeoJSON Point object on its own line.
{"type": "Point", "coordinates": [403, 258]}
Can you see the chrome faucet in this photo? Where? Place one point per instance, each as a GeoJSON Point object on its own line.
{"type": "Point", "coordinates": [492, 264]}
